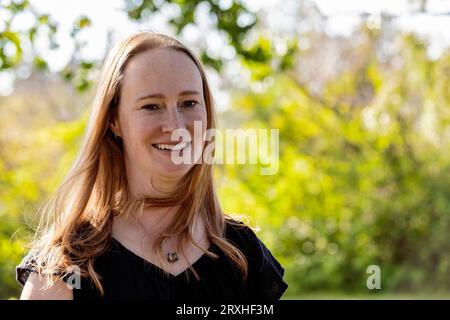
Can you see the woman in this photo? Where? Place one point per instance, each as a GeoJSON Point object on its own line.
{"type": "Point", "coordinates": [127, 222]}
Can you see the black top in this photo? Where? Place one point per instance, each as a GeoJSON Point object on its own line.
{"type": "Point", "coordinates": [125, 275]}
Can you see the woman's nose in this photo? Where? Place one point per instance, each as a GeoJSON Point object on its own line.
{"type": "Point", "coordinates": [173, 120]}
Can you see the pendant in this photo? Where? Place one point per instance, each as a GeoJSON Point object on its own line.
{"type": "Point", "coordinates": [172, 257]}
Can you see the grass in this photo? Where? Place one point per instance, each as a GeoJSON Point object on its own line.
{"type": "Point", "coordinates": [370, 296]}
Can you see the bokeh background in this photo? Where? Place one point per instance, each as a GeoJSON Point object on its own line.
{"type": "Point", "coordinates": [359, 91]}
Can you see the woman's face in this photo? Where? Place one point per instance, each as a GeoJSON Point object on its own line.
{"type": "Point", "coordinates": [162, 91]}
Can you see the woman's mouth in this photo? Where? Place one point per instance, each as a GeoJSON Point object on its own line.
{"type": "Point", "coordinates": [170, 147]}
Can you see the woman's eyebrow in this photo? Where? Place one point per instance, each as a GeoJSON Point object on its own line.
{"type": "Point", "coordinates": [160, 95]}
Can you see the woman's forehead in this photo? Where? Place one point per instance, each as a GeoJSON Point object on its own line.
{"type": "Point", "coordinates": [160, 69]}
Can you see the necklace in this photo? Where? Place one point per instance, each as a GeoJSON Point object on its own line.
{"type": "Point", "coordinates": [172, 257]}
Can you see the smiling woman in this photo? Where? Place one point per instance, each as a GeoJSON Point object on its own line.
{"type": "Point", "coordinates": [127, 222]}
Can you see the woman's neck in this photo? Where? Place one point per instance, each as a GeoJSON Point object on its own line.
{"type": "Point", "coordinates": [150, 224]}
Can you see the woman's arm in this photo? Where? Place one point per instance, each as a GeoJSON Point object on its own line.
{"type": "Point", "coordinates": [34, 289]}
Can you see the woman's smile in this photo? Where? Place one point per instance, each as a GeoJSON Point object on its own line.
{"type": "Point", "coordinates": [166, 149]}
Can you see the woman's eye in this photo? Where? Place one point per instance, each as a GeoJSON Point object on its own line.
{"type": "Point", "coordinates": [189, 104]}
{"type": "Point", "coordinates": [151, 107]}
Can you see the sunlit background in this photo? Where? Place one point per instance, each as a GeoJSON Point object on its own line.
{"type": "Point", "coordinates": [358, 89]}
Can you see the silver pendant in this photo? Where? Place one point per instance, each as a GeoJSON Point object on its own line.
{"type": "Point", "coordinates": [172, 257]}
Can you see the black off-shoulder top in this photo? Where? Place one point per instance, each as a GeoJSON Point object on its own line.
{"type": "Point", "coordinates": [125, 275]}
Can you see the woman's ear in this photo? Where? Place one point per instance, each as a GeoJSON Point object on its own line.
{"type": "Point", "coordinates": [115, 127]}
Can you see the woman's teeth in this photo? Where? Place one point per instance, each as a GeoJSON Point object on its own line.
{"type": "Point", "coordinates": [172, 147]}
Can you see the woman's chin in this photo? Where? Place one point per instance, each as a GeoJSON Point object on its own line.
{"type": "Point", "coordinates": [174, 170]}
{"type": "Point", "coordinates": [170, 164]}
{"type": "Point", "coordinates": [171, 160]}
{"type": "Point", "coordinates": [170, 169]}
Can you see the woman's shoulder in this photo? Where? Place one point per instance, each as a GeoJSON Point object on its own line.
{"type": "Point", "coordinates": [240, 233]}
{"type": "Point", "coordinates": [265, 271]}
{"type": "Point", "coordinates": [245, 237]}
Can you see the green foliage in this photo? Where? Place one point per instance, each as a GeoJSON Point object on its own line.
{"type": "Point", "coordinates": [362, 180]}
{"type": "Point", "coordinates": [228, 21]}
{"type": "Point", "coordinates": [11, 38]}
{"type": "Point", "coordinates": [35, 153]}
{"type": "Point", "coordinates": [11, 252]}
{"type": "Point", "coordinates": [81, 23]}
{"type": "Point", "coordinates": [234, 22]}
{"type": "Point", "coordinates": [12, 41]}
